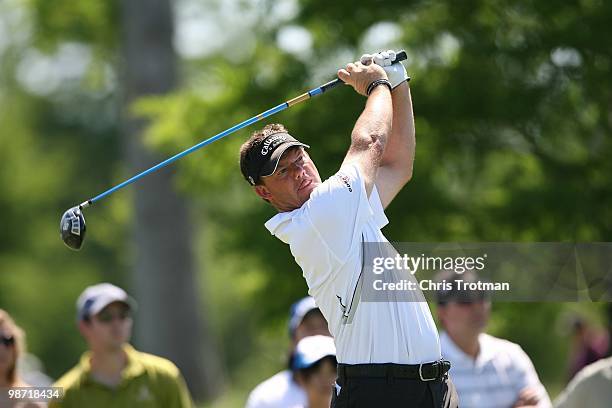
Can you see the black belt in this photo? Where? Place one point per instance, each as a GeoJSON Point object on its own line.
{"type": "Point", "coordinates": [424, 372]}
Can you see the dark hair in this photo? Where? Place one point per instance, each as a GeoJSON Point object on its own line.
{"type": "Point", "coordinates": [313, 313]}
{"type": "Point", "coordinates": [308, 372]}
{"type": "Point", "coordinates": [256, 138]}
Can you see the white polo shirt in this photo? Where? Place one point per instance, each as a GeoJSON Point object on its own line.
{"type": "Point", "coordinates": [497, 376]}
{"type": "Point", "coordinates": [278, 391]}
{"type": "Point", "coordinates": [325, 237]}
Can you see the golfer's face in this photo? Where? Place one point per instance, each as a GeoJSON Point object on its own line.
{"type": "Point", "coordinates": [293, 181]}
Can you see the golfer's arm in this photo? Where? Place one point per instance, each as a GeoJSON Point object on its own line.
{"type": "Point", "coordinates": [395, 168]}
{"type": "Point", "coordinates": [370, 134]}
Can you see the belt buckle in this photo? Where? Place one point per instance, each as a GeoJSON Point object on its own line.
{"type": "Point", "coordinates": [421, 375]}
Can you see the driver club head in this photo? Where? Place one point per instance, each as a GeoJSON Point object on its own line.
{"type": "Point", "coordinates": [72, 228]}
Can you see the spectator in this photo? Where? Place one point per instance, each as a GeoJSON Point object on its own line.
{"type": "Point", "coordinates": [588, 345]}
{"type": "Point", "coordinates": [112, 373]}
{"type": "Point", "coordinates": [315, 366]}
{"type": "Point", "coordinates": [487, 371]}
{"type": "Point", "coordinates": [31, 370]}
{"type": "Point", "coordinates": [591, 387]}
{"type": "Point", "coordinates": [282, 390]}
{"type": "Point", "coordinates": [12, 346]}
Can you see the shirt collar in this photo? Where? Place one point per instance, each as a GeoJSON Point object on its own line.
{"type": "Point", "coordinates": [451, 350]}
{"type": "Point", "coordinates": [487, 350]}
{"type": "Point", "coordinates": [486, 353]}
{"type": "Point", "coordinates": [133, 368]}
{"type": "Point", "coordinates": [275, 222]}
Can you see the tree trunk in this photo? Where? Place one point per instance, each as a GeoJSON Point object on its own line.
{"type": "Point", "coordinates": [169, 321]}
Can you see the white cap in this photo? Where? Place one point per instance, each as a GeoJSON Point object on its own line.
{"type": "Point", "coordinates": [311, 350]}
{"type": "Point", "coordinates": [297, 312]}
{"type": "Point", "coordinates": [97, 297]}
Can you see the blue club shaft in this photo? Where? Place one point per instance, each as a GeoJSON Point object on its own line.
{"type": "Point", "coordinates": [250, 121]}
{"type": "Point", "coordinates": [307, 95]}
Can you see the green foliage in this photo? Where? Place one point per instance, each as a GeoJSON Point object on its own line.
{"type": "Point", "coordinates": [88, 21]}
{"type": "Point", "coordinates": [49, 158]}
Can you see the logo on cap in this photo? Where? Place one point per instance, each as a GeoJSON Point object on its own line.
{"type": "Point", "coordinates": [271, 141]}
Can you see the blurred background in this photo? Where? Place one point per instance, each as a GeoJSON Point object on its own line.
{"type": "Point", "coordinates": [513, 105]}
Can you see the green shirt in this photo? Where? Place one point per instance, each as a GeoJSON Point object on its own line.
{"type": "Point", "coordinates": [147, 381]}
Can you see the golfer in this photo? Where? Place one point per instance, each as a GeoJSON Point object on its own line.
{"type": "Point", "coordinates": [388, 352]}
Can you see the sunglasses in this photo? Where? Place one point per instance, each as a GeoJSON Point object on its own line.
{"type": "Point", "coordinates": [107, 316]}
{"type": "Point", "coordinates": [7, 340]}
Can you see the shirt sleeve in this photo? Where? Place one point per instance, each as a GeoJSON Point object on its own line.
{"type": "Point", "coordinates": [252, 402]}
{"type": "Point", "coordinates": [178, 393]}
{"type": "Point", "coordinates": [377, 208]}
{"type": "Point", "coordinates": [255, 401]}
{"type": "Point", "coordinates": [572, 397]}
{"type": "Point", "coordinates": [529, 377]}
{"type": "Point", "coordinates": [338, 209]}
{"type": "Point", "coordinates": [581, 391]}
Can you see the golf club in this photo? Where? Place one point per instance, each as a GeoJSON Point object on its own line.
{"type": "Point", "coordinates": [72, 223]}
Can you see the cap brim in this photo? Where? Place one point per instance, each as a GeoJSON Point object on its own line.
{"type": "Point", "coordinates": [102, 302]}
{"type": "Point", "coordinates": [299, 316]}
{"type": "Point", "coordinates": [270, 167]}
{"type": "Point", "coordinates": [302, 362]}
{"type": "Point", "coordinates": [312, 349]}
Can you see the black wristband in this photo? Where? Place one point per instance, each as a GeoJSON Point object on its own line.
{"type": "Point", "coordinates": [377, 82]}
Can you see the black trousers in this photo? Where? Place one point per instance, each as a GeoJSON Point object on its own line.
{"type": "Point", "coordinates": [392, 392]}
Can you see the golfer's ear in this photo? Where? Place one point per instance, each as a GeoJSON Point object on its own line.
{"type": "Point", "coordinates": [263, 192]}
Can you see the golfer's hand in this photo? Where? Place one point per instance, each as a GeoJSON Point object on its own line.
{"type": "Point", "coordinates": [360, 76]}
{"type": "Point", "coordinates": [395, 70]}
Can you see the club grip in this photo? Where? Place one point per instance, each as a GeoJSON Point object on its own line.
{"type": "Point", "coordinates": [401, 56]}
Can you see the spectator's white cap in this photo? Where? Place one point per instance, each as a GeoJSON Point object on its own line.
{"type": "Point", "coordinates": [313, 349]}
{"type": "Point", "coordinates": [297, 312]}
{"type": "Point", "coordinates": [97, 297]}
